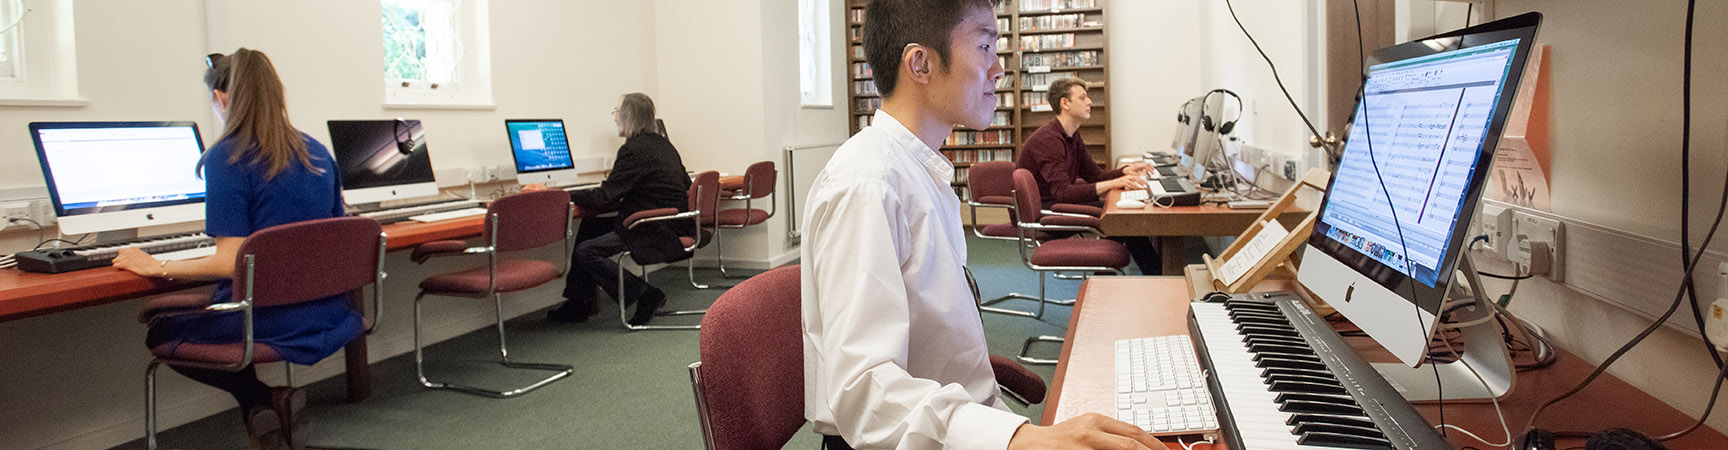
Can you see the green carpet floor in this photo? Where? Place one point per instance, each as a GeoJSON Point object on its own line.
{"type": "Point", "coordinates": [631, 390]}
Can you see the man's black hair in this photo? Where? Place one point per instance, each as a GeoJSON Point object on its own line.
{"type": "Point", "coordinates": [889, 25]}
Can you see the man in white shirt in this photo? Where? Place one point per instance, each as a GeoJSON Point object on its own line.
{"type": "Point", "coordinates": [894, 352]}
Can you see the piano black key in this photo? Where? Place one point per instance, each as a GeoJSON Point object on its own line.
{"type": "Point", "coordinates": [1268, 371]}
{"type": "Point", "coordinates": [1249, 319]}
{"type": "Point", "coordinates": [1322, 398]}
{"type": "Point", "coordinates": [1306, 387]}
{"type": "Point", "coordinates": [1327, 380]}
{"type": "Point", "coordinates": [1289, 364]}
{"type": "Point", "coordinates": [1341, 440]}
{"type": "Point", "coordinates": [1304, 406]}
{"type": "Point", "coordinates": [1275, 348]}
{"type": "Point", "coordinates": [1289, 356]}
{"type": "Point", "coordinates": [1301, 418]}
{"type": "Point", "coordinates": [1259, 330]}
{"type": "Point", "coordinates": [1367, 432]}
{"type": "Point", "coordinates": [1234, 304]}
{"type": "Point", "coordinates": [1257, 313]}
{"type": "Point", "coordinates": [1280, 340]}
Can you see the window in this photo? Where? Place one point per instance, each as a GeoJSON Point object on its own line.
{"type": "Point", "coordinates": [815, 61]}
{"type": "Point", "coordinates": [435, 53]}
{"type": "Point", "coordinates": [38, 66]}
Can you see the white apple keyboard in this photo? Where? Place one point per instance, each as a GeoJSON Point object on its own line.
{"type": "Point", "coordinates": [447, 215]}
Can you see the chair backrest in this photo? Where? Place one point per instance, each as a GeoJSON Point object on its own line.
{"type": "Point", "coordinates": [751, 381]}
{"type": "Point", "coordinates": [991, 179]}
{"type": "Point", "coordinates": [310, 260]}
{"type": "Point", "coordinates": [760, 177]}
{"type": "Point", "coordinates": [528, 220]}
{"type": "Point", "coordinates": [660, 126]}
{"type": "Point", "coordinates": [708, 183]}
{"type": "Point", "coordinates": [1027, 201]}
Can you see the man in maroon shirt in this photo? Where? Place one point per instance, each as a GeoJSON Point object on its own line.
{"type": "Point", "coordinates": [1065, 172]}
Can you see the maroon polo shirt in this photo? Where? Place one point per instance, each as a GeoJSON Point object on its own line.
{"type": "Point", "coordinates": [1063, 168]}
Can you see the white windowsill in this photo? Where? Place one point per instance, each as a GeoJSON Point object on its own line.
{"type": "Point", "coordinates": [45, 103]}
{"type": "Point", "coordinates": [442, 106]}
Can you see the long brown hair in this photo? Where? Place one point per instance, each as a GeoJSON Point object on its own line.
{"type": "Point", "coordinates": [257, 114]}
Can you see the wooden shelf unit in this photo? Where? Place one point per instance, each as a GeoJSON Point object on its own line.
{"type": "Point", "coordinates": [1075, 26]}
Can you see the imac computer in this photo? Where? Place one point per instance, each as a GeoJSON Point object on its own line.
{"type": "Point", "coordinates": [105, 176]}
{"type": "Point", "coordinates": [1187, 129]}
{"type": "Point", "coordinates": [541, 150]}
{"type": "Point", "coordinates": [382, 160]}
{"type": "Point", "coordinates": [1391, 227]}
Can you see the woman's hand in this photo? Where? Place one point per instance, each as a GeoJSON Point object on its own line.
{"type": "Point", "coordinates": [136, 261]}
{"type": "Point", "coordinates": [533, 187]}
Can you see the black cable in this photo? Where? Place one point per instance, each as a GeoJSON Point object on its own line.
{"type": "Point", "coordinates": [40, 237]}
{"type": "Point", "coordinates": [1686, 184]}
{"type": "Point", "coordinates": [1505, 277]}
{"type": "Point", "coordinates": [1690, 266]}
{"type": "Point", "coordinates": [1292, 100]}
{"type": "Point", "coordinates": [48, 241]}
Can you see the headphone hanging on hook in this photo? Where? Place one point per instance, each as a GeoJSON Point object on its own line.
{"type": "Point", "coordinates": [1211, 124]}
{"type": "Point", "coordinates": [404, 136]}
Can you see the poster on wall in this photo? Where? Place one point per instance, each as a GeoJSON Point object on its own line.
{"type": "Point", "coordinates": [1523, 158]}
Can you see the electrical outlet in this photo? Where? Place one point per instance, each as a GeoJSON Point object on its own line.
{"type": "Point", "coordinates": [13, 210]}
{"type": "Point", "coordinates": [1488, 223]}
{"type": "Point", "coordinates": [1290, 170]}
{"type": "Point", "coordinates": [1530, 235]}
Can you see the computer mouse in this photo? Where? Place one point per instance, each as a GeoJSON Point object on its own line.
{"type": "Point", "coordinates": [1130, 204]}
{"type": "Point", "coordinates": [1537, 439]}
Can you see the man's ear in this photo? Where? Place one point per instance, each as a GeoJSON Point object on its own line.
{"type": "Point", "coordinates": [918, 61]}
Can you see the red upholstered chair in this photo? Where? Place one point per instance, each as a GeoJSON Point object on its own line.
{"type": "Point", "coordinates": [992, 186]}
{"type": "Point", "coordinates": [758, 183]}
{"type": "Point", "coordinates": [278, 266]}
{"type": "Point", "coordinates": [1058, 255]}
{"type": "Point", "coordinates": [704, 197]}
{"type": "Point", "coordinates": [749, 383]}
{"type": "Point", "coordinates": [522, 221]}
{"type": "Point", "coordinates": [699, 189]}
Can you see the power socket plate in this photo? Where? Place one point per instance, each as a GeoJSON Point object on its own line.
{"type": "Point", "coordinates": [1527, 228]}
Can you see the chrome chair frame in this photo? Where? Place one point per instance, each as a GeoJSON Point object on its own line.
{"type": "Point", "coordinates": [491, 252]}
{"type": "Point", "coordinates": [701, 406]}
{"type": "Point", "coordinates": [247, 336]}
{"type": "Point", "coordinates": [695, 218]}
{"type": "Point", "coordinates": [748, 195]}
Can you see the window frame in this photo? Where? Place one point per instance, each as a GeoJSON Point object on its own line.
{"type": "Point", "coordinates": [815, 54]}
{"type": "Point", "coordinates": [43, 54]}
{"type": "Point", "coordinates": [469, 85]}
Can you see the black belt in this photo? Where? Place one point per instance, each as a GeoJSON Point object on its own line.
{"type": "Point", "coordinates": [834, 443]}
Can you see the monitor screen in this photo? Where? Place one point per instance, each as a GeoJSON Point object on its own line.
{"type": "Point", "coordinates": [382, 159]}
{"type": "Point", "coordinates": [539, 145]}
{"type": "Point", "coordinates": [93, 168]}
{"type": "Point", "coordinates": [1424, 120]}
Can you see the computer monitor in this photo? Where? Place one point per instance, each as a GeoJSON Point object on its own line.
{"type": "Point", "coordinates": [1207, 151]}
{"type": "Point", "coordinates": [541, 150]}
{"type": "Point", "coordinates": [1187, 127]}
{"type": "Point", "coordinates": [382, 160]}
{"type": "Point", "coordinates": [105, 176]}
{"type": "Point", "coordinates": [1425, 128]}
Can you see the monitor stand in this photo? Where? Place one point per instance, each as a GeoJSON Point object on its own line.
{"type": "Point", "coordinates": [1484, 350]}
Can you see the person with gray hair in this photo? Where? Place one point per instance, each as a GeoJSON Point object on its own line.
{"type": "Point", "coordinates": [646, 174]}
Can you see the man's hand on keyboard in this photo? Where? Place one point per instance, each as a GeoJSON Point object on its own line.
{"type": "Point", "coordinates": [136, 261]}
{"type": "Point", "coordinates": [1127, 181]}
{"type": "Point", "coordinates": [1136, 168]}
{"type": "Point", "coordinates": [1089, 431]}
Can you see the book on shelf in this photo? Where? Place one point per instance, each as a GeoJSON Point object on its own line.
{"type": "Point", "coordinates": [865, 120]}
{"type": "Point", "coordinates": [856, 34]}
{"type": "Point", "coordinates": [867, 105]}
{"type": "Point", "coordinates": [1056, 22]}
{"type": "Point", "coordinates": [864, 87]}
{"type": "Point", "coordinates": [1001, 119]}
{"type": "Point", "coordinates": [855, 15]}
{"type": "Point", "coordinates": [964, 192]}
{"type": "Point", "coordinates": [1048, 5]}
{"type": "Point", "coordinates": [987, 137]}
{"type": "Point", "coordinates": [979, 155]}
{"type": "Point", "coordinates": [861, 69]}
{"type": "Point", "coordinates": [1083, 58]}
{"type": "Point", "coordinates": [858, 52]}
{"type": "Point", "coordinates": [1004, 99]}
{"type": "Point", "coordinates": [960, 177]}
{"type": "Point", "coordinates": [1002, 24]}
{"type": "Point", "coordinates": [1046, 41]}
{"type": "Point", "coordinates": [1005, 83]}
{"type": "Point", "coordinates": [1040, 82]}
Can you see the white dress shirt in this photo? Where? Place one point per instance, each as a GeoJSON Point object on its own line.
{"type": "Point", "coordinates": [894, 352]}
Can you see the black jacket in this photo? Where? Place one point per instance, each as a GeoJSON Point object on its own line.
{"type": "Point", "coordinates": [647, 174]}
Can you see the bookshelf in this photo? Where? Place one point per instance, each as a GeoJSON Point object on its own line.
{"type": "Point", "coordinates": [1042, 40]}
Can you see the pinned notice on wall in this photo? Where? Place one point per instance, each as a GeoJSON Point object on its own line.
{"type": "Point", "coordinates": [1522, 160]}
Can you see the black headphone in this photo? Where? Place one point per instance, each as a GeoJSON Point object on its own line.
{"type": "Point", "coordinates": [1182, 112]}
{"type": "Point", "coordinates": [404, 141]}
{"type": "Point", "coordinates": [1209, 123]}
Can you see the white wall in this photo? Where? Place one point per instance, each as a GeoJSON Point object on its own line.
{"type": "Point", "coordinates": [83, 369]}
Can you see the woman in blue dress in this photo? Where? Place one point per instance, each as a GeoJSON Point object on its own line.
{"type": "Point", "coordinates": [261, 173]}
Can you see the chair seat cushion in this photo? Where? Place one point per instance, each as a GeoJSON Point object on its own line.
{"type": "Point", "coordinates": [1070, 208]}
{"type": "Point", "coordinates": [168, 305]}
{"type": "Point", "coordinates": [513, 275]}
{"type": "Point", "coordinates": [741, 217]}
{"type": "Point", "coordinates": [1088, 222]}
{"type": "Point", "coordinates": [1081, 252]}
{"type": "Point", "coordinates": [996, 200]}
{"type": "Point", "coordinates": [1017, 379]}
{"type": "Point", "coordinates": [176, 353]}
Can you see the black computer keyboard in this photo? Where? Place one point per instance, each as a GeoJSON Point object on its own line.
{"type": "Point", "coordinates": [1171, 184]}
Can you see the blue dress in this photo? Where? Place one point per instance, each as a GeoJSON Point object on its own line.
{"type": "Point", "coordinates": [238, 202]}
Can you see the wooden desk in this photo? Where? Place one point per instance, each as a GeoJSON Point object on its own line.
{"type": "Point", "coordinates": [1171, 224]}
{"type": "Point", "coordinates": [1113, 308]}
{"type": "Point", "coordinates": [33, 294]}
